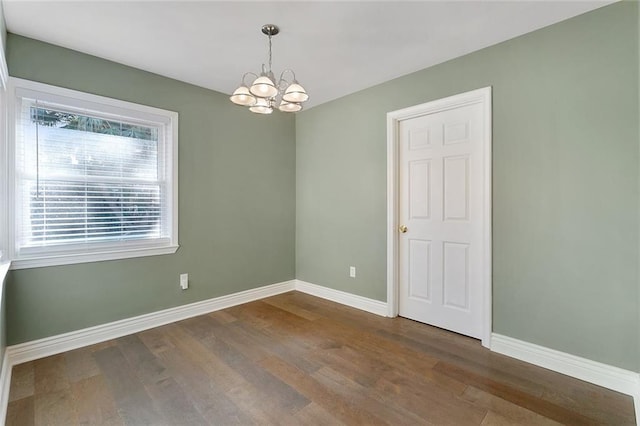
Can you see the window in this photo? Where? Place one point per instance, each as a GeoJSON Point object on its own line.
{"type": "Point", "coordinates": [94, 178]}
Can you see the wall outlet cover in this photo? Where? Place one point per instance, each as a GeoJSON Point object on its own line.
{"type": "Point", "coordinates": [184, 281]}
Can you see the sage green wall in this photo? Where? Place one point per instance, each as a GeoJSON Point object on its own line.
{"type": "Point", "coordinates": [565, 182]}
{"type": "Point", "coordinates": [3, 315]}
{"type": "Point", "coordinates": [237, 204]}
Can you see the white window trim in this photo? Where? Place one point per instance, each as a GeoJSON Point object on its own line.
{"type": "Point", "coordinates": [107, 105]}
{"type": "Point", "coordinates": [4, 174]}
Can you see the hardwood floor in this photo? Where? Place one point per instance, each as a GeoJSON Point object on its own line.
{"type": "Point", "coordinates": [294, 359]}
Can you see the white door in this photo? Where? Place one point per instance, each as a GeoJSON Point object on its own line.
{"type": "Point", "coordinates": [441, 204]}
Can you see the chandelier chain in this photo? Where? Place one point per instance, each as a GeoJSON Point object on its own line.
{"type": "Point", "coordinates": [269, 52]}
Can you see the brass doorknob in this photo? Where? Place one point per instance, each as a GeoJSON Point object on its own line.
{"type": "Point", "coordinates": [403, 229]}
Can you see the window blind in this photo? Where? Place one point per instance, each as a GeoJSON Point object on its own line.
{"type": "Point", "coordinates": [83, 177]}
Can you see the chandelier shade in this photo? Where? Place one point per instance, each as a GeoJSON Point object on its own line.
{"type": "Point", "coordinates": [289, 106]}
{"type": "Point", "coordinates": [242, 96]}
{"type": "Point", "coordinates": [264, 87]}
{"type": "Point", "coordinates": [262, 106]}
{"type": "Point", "coordinates": [295, 93]}
{"type": "Point", "coordinates": [264, 93]}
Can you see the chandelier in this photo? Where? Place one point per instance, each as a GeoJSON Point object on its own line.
{"type": "Point", "coordinates": [265, 94]}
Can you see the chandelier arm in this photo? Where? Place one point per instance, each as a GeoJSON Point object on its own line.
{"type": "Point", "coordinates": [244, 83]}
{"type": "Point", "coordinates": [282, 85]}
{"type": "Point", "coordinates": [283, 80]}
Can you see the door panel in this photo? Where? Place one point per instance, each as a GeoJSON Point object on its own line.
{"type": "Point", "coordinates": [441, 203]}
{"type": "Point", "coordinates": [456, 275]}
{"type": "Point", "coordinates": [420, 264]}
{"type": "Point", "coordinates": [419, 183]}
{"type": "Point", "coordinates": [456, 188]}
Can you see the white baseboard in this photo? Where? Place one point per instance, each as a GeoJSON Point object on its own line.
{"type": "Point", "coordinates": [348, 299]}
{"type": "Point", "coordinates": [5, 382]}
{"type": "Point", "coordinates": [28, 351]}
{"type": "Point", "coordinates": [617, 379]}
{"type": "Point", "coordinates": [35, 349]}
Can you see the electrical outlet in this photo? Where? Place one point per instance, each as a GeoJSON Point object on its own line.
{"type": "Point", "coordinates": [184, 281]}
{"type": "Point", "coordinates": [352, 271]}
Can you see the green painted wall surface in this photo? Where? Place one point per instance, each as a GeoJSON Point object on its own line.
{"type": "Point", "coordinates": [565, 182]}
{"type": "Point", "coordinates": [237, 204]}
{"type": "Point", "coordinates": [3, 313]}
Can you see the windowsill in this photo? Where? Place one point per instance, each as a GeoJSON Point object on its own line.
{"type": "Point", "coordinates": [71, 259]}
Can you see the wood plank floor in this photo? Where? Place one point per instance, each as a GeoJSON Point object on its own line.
{"type": "Point", "coordinates": [294, 359]}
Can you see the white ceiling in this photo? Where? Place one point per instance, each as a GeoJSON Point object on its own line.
{"type": "Point", "coordinates": [335, 48]}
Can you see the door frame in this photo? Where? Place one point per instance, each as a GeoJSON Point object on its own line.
{"type": "Point", "coordinates": [479, 96]}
